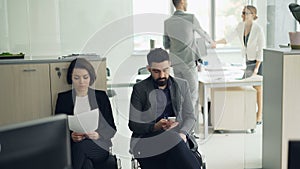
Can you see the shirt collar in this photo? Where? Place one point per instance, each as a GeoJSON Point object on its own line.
{"type": "Point", "coordinates": [179, 12]}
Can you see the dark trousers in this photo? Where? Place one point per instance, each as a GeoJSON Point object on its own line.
{"type": "Point", "coordinates": [88, 155]}
{"type": "Point", "coordinates": [178, 156]}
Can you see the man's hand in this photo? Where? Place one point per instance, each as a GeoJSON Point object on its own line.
{"type": "Point", "coordinates": [165, 124]}
{"type": "Point", "coordinates": [162, 124]}
{"type": "Point", "coordinates": [183, 136]}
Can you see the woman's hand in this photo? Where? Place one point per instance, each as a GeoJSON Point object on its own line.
{"type": "Point", "coordinates": [213, 45]}
{"type": "Point", "coordinates": [77, 137]}
{"type": "Point", "coordinates": [92, 135]}
{"type": "Point", "coordinates": [255, 71]}
{"type": "Point", "coordinates": [221, 41]}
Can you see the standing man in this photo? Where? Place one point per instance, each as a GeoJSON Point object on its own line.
{"type": "Point", "coordinates": [158, 142]}
{"type": "Point", "coordinates": [179, 38]}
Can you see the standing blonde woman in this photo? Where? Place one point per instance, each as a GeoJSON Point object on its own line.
{"type": "Point", "coordinates": [253, 41]}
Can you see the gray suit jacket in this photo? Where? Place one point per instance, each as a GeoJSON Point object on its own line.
{"type": "Point", "coordinates": [179, 37]}
{"type": "Point", "coordinates": [142, 114]}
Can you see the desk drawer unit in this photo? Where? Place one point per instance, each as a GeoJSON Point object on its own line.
{"type": "Point", "coordinates": [233, 108]}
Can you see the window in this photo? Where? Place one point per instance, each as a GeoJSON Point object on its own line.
{"type": "Point", "coordinates": [201, 9]}
{"type": "Point", "coordinates": [228, 15]}
{"type": "Point", "coordinates": [144, 10]}
{"type": "Point", "coordinates": [216, 17]}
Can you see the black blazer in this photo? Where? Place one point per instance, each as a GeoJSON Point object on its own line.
{"type": "Point", "coordinates": [98, 99]}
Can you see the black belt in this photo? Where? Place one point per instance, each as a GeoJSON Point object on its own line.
{"type": "Point", "coordinates": [250, 61]}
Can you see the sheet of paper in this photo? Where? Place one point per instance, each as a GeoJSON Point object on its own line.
{"type": "Point", "coordinates": [84, 122]}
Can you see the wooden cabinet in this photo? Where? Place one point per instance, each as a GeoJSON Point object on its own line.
{"type": "Point", "coordinates": [281, 112]}
{"type": "Point", "coordinates": [29, 91]}
{"type": "Point", "coordinates": [25, 92]}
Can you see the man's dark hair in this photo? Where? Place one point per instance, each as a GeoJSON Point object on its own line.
{"type": "Point", "coordinates": [81, 63]}
{"type": "Point", "coordinates": [157, 55]}
{"type": "Point", "coordinates": [176, 2]}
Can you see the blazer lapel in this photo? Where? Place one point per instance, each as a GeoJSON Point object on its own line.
{"type": "Point", "coordinates": [175, 96]}
{"type": "Point", "coordinates": [252, 33]}
{"type": "Point", "coordinates": [152, 95]}
{"type": "Point", "coordinates": [92, 99]}
{"type": "Point", "coordinates": [73, 98]}
{"type": "Point", "coordinates": [242, 34]}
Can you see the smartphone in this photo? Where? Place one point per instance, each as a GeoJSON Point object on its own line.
{"type": "Point", "coordinates": [173, 119]}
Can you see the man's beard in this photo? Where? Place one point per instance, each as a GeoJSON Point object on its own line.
{"type": "Point", "coordinates": [161, 81]}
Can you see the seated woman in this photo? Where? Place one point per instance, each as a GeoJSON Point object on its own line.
{"type": "Point", "coordinates": [89, 150]}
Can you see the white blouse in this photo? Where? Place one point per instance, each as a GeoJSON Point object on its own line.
{"type": "Point", "coordinates": [82, 104]}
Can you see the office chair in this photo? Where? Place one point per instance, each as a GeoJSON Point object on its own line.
{"type": "Point", "coordinates": [135, 164]}
{"type": "Point", "coordinates": [295, 9]}
{"type": "Point", "coordinates": [112, 162]}
{"type": "Point", "coordinates": [112, 94]}
{"type": "Point", "coordinates": [143, 71]}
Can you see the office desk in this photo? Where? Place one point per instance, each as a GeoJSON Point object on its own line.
{"type": "Point", "coordinates": [226, 78]}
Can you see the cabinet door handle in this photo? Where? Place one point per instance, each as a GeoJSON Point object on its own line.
{"type": "Point", "coordinates": [29, 70]}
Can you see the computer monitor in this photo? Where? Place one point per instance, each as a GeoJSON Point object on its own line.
{"type": "Point", "coordinates": [37, 144]}
{"type": "Point", "coordinates": [294, 154]}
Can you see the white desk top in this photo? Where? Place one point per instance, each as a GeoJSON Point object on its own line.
{"type": "Point", "coordinates": [230, 76]}
{"type": "Point", "coordinates": [218, 75]}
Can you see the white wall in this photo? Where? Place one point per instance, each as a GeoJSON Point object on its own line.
{"type": "Point", "coordinates": [262, 14]}
{"type": "Point", "coordinates": [51, 28]}
{"type": "Point", "coordinates": [280, 21]}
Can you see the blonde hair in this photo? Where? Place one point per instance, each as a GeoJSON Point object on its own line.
{"type": "Point", "coordinates": [253, 10]}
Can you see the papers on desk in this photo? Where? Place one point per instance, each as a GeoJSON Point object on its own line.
{"type": "Point", "coordinates": [225, 74]}
{"type": "Point", "coordinates": [221, 76]}
{"type": "Point", "coordinates": [225, 67]}
{"type": "Point", "coordinates": [222, 71]}
{"type": "Point", "coordinates": [84, 122]}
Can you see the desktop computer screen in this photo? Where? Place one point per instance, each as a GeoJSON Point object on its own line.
{"type": "Point", "coordinates": [294, 154]}
{"type": "Point", "coordinates": [37, 144]}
